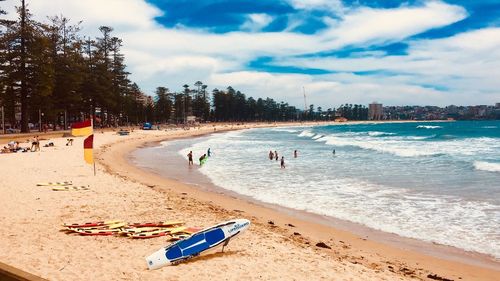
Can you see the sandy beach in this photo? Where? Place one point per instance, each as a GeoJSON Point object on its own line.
{"type": "Point", "coordinates": [278, 246]}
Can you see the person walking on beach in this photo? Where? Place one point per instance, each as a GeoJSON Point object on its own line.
{"type": "Point", "coordinates": [282, 162]}
{"type": "Point", "coordinates": [271, 155]}
{"type": "Point", "coordinates": [276, 155]}
{"type": "Point", "coordinates": [36, 144]}
{"type": "Point", "coordinates": [295, 153]}
{"type": "Point", "coordinates": [190, 158]}
{"type": "Point", "coordinates": [208, 152]}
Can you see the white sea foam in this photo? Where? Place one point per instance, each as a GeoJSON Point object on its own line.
{"type": "Point", "coordinates": [428, 127]}
{"type": "Point", "coordinates": [487, 166]}
{"type": "Point", "coordinates": [309, 185]}
{"type": "Point", "coordinates": [407, 216]}
{"type": "Point", "coordinates": [165, 143]}
{"type": "Point", "coordinates": [379, 134]}
{"type": "Point", "coordinates": [317, 136]}
{"type": "Point", "coordinates": [412, 146]}
{"type": "Point", "coordinates": [489, 127]}
{"type": "Point", "coordinates": [306, 133]}
{"type": "Point", "coordinates": [419, 137]}
{"type": "Point", "coordinates": [288, 130]}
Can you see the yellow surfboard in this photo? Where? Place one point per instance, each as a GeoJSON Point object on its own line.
{"type": "Point", "coordinates": [70, 188]}
{"type": "Point", "coordinates": [63, 183]}
{"type": "Point", "coordinates": [91, 224]}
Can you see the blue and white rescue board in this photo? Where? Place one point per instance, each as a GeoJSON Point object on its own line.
{"type": "Point", "coordinates": [203, 240]}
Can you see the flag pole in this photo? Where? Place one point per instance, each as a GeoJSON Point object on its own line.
{"type": "Point", "coordinates": [92, 125]}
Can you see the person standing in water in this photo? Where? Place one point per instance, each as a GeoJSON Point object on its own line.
{"type": "Point", "coordinates": [202, 158]}
{"type": "Point", "coordinates": [334, 152]}
{"type": "Point", "coordinates": [282, 162]}
{"type": "Point", "coordinates": [295, 154]}
{"type": "Point", "coordinates": [208, 152]}
{"type": "Point", "coordinates": [276, 155]}
{"type": "Point", "coordinates": [190, 158]}
{"type": "Point", "coordinates": [271, 155]}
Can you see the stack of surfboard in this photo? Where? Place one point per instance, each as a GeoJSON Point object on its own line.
{"type": "Point", "coordinates": [100, 228]}
{"type": "Point", "coordinates": [174, 229]}
{"type": "Point", "coordinates": [63, 186]}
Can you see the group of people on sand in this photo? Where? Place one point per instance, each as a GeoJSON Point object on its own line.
{"type": "Point", "coordinates": [203, 157]}
{"type": "Point", "coordinates": [15, 146]}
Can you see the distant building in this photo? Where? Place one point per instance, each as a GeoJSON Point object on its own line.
{"type": "Point", "coordinates": [497, 105]}
{"type": "Point", "coordinates": [375, 111]}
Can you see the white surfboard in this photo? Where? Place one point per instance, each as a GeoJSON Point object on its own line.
{"type": "Point", "coordinates": [208, 238]}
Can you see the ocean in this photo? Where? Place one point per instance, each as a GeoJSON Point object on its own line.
{"type": "Point", "coordinates": [433, 181]}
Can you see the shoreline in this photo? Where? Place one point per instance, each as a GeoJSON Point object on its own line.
{"type": "Point", "coordinates": [308, 229]}
{"type": "Point", "coordinates": [285, 249]}
{"type": "Point", "coordinates": [201, 181]}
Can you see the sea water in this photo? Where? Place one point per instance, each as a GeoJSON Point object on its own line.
{"type": "Point", "coordinates": [433, 181]}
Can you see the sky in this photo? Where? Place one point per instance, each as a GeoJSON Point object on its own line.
{"type": "Point", "coordinates": [415, 52]}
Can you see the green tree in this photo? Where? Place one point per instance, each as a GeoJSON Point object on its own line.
{"type": "Point", "coordinates": [163, 105]}
{"type": "Point", "coordinates": [68, 65]}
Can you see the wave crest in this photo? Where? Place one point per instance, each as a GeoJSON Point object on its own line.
{"type": "Point", "coordinates": [306, 133]}
{"type": "Point", "coordinates": [487, 166]}
{"type": "Point", "coordinates": [379, 134]}
{"type": "Point", "coordinates": [428, 127]}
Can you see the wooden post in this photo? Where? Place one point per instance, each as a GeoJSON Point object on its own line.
{"type": "Point", "coordinates": [3, 120]}
{"type": "Point", "coordinates": [65, 120]}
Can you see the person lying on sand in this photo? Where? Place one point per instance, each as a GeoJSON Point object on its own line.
{"type": "Point", "coordinates": [49, 144]}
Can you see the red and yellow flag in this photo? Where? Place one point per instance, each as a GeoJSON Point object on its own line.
{"type": "Point", "coordinates": [88, 152]}
{"type": "Point", "coordinates": [82, 128]}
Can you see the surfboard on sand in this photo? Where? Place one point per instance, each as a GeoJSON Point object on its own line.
{"type": "Point", "coordinates": [62, 183]}
{"type": "Point", "coordinates": [91, 224]}
{"type": "Point", "coordinates": [158, 224]}
{"type": "Point", "coordinates": [95, 232]}
{"type": "Point", "coordinates": [163, 232]}
{"type": "Point", "coordinates": [70, 188]}
{"type": "Point", "coordinates": [208, 238]}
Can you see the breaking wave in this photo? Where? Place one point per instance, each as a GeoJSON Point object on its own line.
{"type": "Point", "coordinates": [487, 166]}
{"type": "Point", "coordinates": [428, 127]}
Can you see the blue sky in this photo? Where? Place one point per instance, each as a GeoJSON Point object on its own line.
{"type": "Point", "coordinates": [417, 52]}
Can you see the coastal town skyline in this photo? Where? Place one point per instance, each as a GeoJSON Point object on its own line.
{"type": "Point", "coordinates": [428, 53]}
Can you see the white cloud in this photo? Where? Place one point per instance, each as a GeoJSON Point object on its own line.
{"type": "Point", "coordinates": [171, 57]}
{"type": "Point", "coordinates": [256, 22]}
{"type": "Point", "coordinates": [332, 5]}
{"type": "Point", "coordinates": [367, 25]}
{"type": "Point", "coordinates": [467, 65]}
{"type": "Point", "coordinates": [120, 14]}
